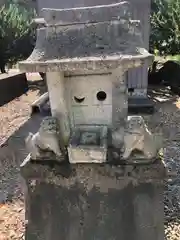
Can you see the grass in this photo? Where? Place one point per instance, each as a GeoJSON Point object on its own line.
{"type": "Point", "coordinates": [169, 57]}
{"type": "Point", "coordinates": [176, 58]}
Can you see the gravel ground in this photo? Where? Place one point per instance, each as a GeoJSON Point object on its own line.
{"type": "Point", "coordinates": [14, 114]}
{"type": "Point", "coordinates": [12, 118]}
{"type": "Point", "coordinates": [164, 121]}
{"type": "Point", "coordinates": [15, 123]}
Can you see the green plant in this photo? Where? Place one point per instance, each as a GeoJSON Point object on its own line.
{"type": "Point", "coordinates": [16, 33]}
{"type": "Point", "coordinates": [165, 27]}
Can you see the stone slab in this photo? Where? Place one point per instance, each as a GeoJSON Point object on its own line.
{"type": "Point", "coordinates": [88, 46]}
{"type": "Point", "coordinates": [87, 64]}
{"type": "Point", "coordinates": [83, 15]}
{"type": "Point", "coordinates": [94, 201]}
{"type": "Point", "coordinates": [99, 39]}
{"type": "Point", "coordinates": [140, 105]}
{"type": "Point", "coordinates": [59, 4]}
{"type": "Point", "coordinates": [51, 171]}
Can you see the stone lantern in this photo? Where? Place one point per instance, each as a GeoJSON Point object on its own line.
{"type": "Point", "coordinates": [85, 53]}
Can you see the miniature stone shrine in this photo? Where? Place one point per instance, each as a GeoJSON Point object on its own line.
{"type": "Point", "coordinates": [137, 79]}
{"type": "Point", "coordinates": [94, 185]}
{"type": "Point", "coordinates": [86, 53]}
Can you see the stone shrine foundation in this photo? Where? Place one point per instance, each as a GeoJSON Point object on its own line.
{"type": "Point", "coordinates": [93, 201]}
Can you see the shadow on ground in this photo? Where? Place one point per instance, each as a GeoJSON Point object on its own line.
{"type": "Point", "coordinates": [12, 86]}
{"type": "Point", "coordinates": [12, 154]}
{"type": "Point", "coordinates": [38, 85]}
{"type": "Point", "coordinates": [167, 110]}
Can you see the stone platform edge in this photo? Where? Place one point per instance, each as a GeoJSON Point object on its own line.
{"type": "Point", "coordinates": [67, 174]}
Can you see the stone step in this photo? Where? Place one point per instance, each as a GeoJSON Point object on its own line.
{"type": "Point", "coordinates": [140, 105]}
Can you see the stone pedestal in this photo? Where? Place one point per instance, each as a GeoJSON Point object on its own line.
{"type": "Point", "coordinates": [86, 53]}
{"type": "Point", "coordinates": [93, 201]}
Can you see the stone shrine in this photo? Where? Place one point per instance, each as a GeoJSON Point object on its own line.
{"type": "Point", "coordinates": [85, 53]}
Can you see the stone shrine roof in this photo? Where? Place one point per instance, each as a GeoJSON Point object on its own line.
{"type": "Point", "coordinates": [91, 38]}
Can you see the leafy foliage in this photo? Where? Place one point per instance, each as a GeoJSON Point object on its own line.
{"type": "Point", "coordinates": [16, 33]}
{"type": "Point", "coordinates": [165, 27]}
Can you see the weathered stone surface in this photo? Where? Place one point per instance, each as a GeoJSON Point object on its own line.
{"type": "Point", "coordinates": [52, 172]}
{"type": "Point", "coordinates": [89, 46]}
{"type": "Point", "coordinates": [92, 201]}
{"type": "Point", "coordinates": [90, 40]}
{"type": "Point", "coordinates": [47, 139]}
{"type": "Point", "coordinates": [58, 102]}
{"type": "Point", "coordinates": [101, 13]}
{"type": "Point", "coordinates": [138, 137]}
{"type": "Point", "coordinates": [88, 144]}
{"type": "Point", "coordinates": [59, 4]}
{"type": "Point", "coordinates": [106, 40]}
{"type": "Point", "coordinates": [87, 64]}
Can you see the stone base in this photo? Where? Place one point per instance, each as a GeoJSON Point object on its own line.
{"type": "Point", "coordinates": [94, 201]}
{"type": "Point", "coordinates": [140, 105]}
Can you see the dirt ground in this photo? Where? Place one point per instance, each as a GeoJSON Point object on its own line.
{"type": "Point", "coordinates": [15, 123]}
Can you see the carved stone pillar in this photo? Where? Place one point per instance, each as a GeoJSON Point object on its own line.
{"type": "Point", "coordinates": [57, 97]}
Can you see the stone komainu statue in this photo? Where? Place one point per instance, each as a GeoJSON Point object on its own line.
{"type": "Point", "coordinates": [138, 137]}
{"type": "Point", "coordinates": [45, 140]}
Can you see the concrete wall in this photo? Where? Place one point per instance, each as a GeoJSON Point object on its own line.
{"type": "Point", "coordinates": [12, 86]}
